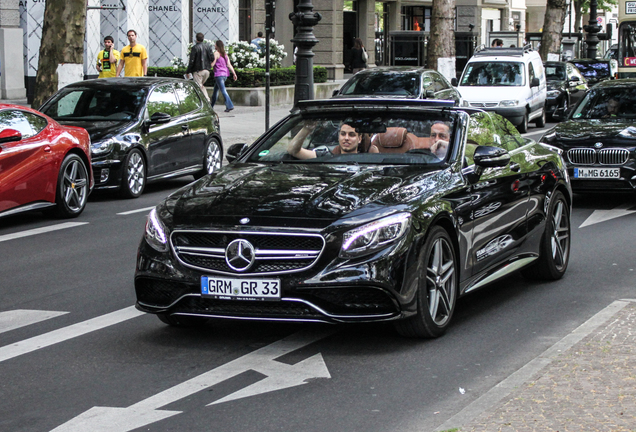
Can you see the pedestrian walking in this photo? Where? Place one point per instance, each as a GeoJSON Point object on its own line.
{"type": "Point", "coordinates": [222, 66]}
{"type": "Point", "coordinates": [134, 57]}
{"type": "Point", "coordinates": [107, 59]}
{"type": "Point", "coordinates": [200, 62]}
{"type": "Point", "coordinates": [359, 56]}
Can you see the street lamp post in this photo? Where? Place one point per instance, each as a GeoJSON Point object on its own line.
{"type": "Point", "coordinates": [592, 29]}
{"type": "Point", "coordinates": [305, 20]}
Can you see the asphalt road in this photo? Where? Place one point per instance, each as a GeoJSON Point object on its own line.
{"type": "Point", "coordinates": [74, 355]}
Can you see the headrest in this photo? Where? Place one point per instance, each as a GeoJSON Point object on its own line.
{"type": "Point", "coordinates": [394, 137]}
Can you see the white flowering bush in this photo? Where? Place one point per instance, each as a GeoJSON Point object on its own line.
{"type": "Point", "coordinates": [177, 63]}
{"type": "Point", "coordinates": [244, 55]}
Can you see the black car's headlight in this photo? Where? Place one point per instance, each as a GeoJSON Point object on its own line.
{"type": "Point", "coordinates": [374, 235]}
{"type": "Point", "coordinates": [553, 93]}
{"type": "Point", "coordinates": [102, 147]}
{"type": "Point", "coordinates": [156, 233]}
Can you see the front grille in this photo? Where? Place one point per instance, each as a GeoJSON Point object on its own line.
{"type": "Point", "coordinates": [484, 104]}
{"type": "Point", "coordinates": [613, 156]}
{"type": "Point", "coordinates": [589, 156]}
{"type": "Point", "coordinates": [282, 309]}
{"type": "Point", "coordinates": [274, 252]}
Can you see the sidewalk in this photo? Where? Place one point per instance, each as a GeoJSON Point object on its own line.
{"type": "Point", "coordinates": [584, 383]}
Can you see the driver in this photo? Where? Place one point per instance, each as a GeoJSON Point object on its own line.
{"type": "Point", "coordinates": [349, 140]}
{"type": "Point", "coordinates": [440, 136]}
{"type": "Point", "coordinates": [613, 106]}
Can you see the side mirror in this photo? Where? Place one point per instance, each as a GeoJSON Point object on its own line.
{"type": "Point", "coordinates": [430, 94]}
{"type": "Point", "coordinates": [235, 151]}
{"type": "Point", "coordinates": [574, 79]}
{"type": "Point", "coordinates": [534, 82]}
{"type": "Point", "coordinates": [454, 82]}
{"type": "Point", "coordinates": [10, 135]}
{"type": "Point", "coordinates": [489, 157]}
{"type": "Point", "coordinates": [160, 117]}
{"type": "Point", "coordinates": [335, 93]}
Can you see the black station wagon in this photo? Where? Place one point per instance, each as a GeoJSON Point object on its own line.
{"type": "Point", "coordinates": [141, 129]}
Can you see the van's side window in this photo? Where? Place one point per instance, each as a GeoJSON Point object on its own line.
{"type": "Point", "coordinates": [530, 72]}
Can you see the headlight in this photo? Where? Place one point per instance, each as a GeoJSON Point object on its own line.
{"type": "Point", "coordinates": [102, 147]}
{"type": "Point", "coordinates": [156, 232]}
{"type": "Point", "coordinates": [553, 93]}
{"type": "Point", "coordinates": [508, 103]}
{"type": "Point", "coordinates": [373, 236]}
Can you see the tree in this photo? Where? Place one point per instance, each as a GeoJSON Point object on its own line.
{"type": "Point", "coordinates": [552, 28]}
{"type": "Point", "coordinates": [441, 42]}
{"type": "Point", "coordinates": [62, 44]}
{"type": "Point", "coordinates": [583, 6]}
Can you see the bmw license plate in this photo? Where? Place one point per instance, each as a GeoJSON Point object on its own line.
{"type": "Point", "coordinates": [240, 289]}
{"type": "Point", "coordinates": [597, 173]}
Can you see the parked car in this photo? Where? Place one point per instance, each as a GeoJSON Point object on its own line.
{"type": "Point", "coordinates": [399, 82]}
{"type": "Point", "coordinates": [566, 86]}
{"type": "Point", "coordinates": [508, 81]}
{"type": "Point", "coordinates": [599, 138]}
{"type": "Point", "coordinates": [395, 231]}
{"type": "Point", "coordinates": [596, 70]}
{"type": "Point", "coordinates": [142, 129]}
{"type": "Point", "coordinates": [43, 165]}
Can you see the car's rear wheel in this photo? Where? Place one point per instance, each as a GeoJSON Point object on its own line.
{"type": "Point", "coordinates": [523, 127]}
{"type": "Point", "coordinates": [212, 158]}
{"type": "Point", "coordinates": [133, 180]}
{"type": "Point", "coordinates": [554, 253]}
{"type": "Point", "coordinates": [437, 288]}
{"type": "Point", "coordinates": [540, 122]}
{"type": "Point", "coordinates": [181, 320]}
{"type": "Point", "coordinates": [72, 187]}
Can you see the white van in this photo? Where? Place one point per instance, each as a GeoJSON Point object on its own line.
{"type": "Point", "coordinates": [508, 81]}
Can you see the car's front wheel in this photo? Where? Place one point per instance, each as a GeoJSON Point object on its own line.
{"type": "Point", "coordinates": [133, 180]}
{"type": "Point", "coordinates": [212, 158]}
{"type": "Point", "coordinates": [540, 122]}
{"type": "Point", "coordinates": [554, 253]}
{"type": "Point", "coordinates": [72, 187]}
{"type": "Point", "coordinates": [523, 127]}
{"type": "Point", "coordinates": [437, 288]}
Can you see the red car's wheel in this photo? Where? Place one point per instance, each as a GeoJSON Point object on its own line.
{"type": "Point", "coordinates": [72, 187]}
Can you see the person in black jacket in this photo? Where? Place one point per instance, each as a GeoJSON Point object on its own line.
{"type": "Point", "coordinates": [357, 60]}
{"type": "Point", "coordinates": [201, 56]}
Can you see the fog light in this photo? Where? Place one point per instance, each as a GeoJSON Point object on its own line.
{"type": "Point", "coordinates": [103, 175]}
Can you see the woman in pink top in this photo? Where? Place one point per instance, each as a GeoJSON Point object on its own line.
{"type": "Point", "coordinates": [222, 67]}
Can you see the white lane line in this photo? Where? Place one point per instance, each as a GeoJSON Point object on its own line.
{"type": "Point", "coordinates": [13, 319]}
{"type": "Point", "coordinates": [42, 230]}
{"type": "Point", "coordinates": [147, 209]}
{"type": "Point", "coordinates": [604, 215]}
{"type": "Point", "coordinates": [66, 333]}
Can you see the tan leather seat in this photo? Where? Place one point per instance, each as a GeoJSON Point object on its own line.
{"type": "Point", "coordinates": [394, 140]}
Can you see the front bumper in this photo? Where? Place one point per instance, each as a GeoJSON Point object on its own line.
{"type": "Point", "coordinates": [107, 174]}
{"type": "Point", "coordinates": [626, 182]}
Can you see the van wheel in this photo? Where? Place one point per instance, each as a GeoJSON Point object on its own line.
{"type": "Point", "coordinates": [540, 122]}
{"type": "Point", "coordinates": [523, 127]}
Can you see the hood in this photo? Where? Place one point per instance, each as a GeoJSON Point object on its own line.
{"type": "Point", "coordinates": [100, 130]}
{"type": "Point", "coordinates": [295, 192]}
{"type": "Point", "coordinates": [579, 132]}
{"type": "Point", "coordinates": [491, 94]}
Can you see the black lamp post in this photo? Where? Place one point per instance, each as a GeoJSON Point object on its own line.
{"type": "Point", "coordinates": [305, 20]}
{"type": "Point", "coordinates": [592, 29]}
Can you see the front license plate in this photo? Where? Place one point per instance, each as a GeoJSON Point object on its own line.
{"type": "Point", "coordinates": [597, 173]}
{"type": "Point", "coordinates": [240, 289]}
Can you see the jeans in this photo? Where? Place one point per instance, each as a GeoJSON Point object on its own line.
{"type": "Point", "coordinates": [220, 84]}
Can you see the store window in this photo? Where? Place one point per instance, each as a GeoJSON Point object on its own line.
{"type": "Point", "coordinates": [381, 33]}
{"type": "Point", "coordinates": [245, 20]}
{"type": "Point", "coordinates": [416, 18]}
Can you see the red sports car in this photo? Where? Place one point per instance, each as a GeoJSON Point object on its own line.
{"type": "Point", "coordinates": [43, 165]}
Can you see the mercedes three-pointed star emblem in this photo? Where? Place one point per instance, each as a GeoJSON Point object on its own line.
{"type": "Point", "coordinates": [239, 255]}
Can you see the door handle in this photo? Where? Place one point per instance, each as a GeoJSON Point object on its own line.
{"type": "Point", "coordinates": [47, 148]}
{"type": "Point", "coordinates": [515, 167]}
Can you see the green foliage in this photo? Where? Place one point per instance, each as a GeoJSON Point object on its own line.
{"type": "Point", "coordinates": [247, 77]}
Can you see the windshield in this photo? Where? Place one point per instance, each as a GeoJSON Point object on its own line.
{"type": "Point", "coordinates": [403, 84]}
{"type": "Point", "coordinates": [360, 138]}
{"type": "Point", "coordinates": [555, 73]}
{"type": "Point", "coordinates": [89, 104]}
{"type": "Point", "coordinates": [609, 103]}
{"type": "Point", "coordinates": [594, 71]}
{"type": "Point", "coordinates": [494, 74]}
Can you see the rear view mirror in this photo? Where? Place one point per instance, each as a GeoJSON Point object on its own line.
{"type": "Point", "coordinates": [335, 92]}
{"type": "Point", "coordinates": [10, 135]}
{"type": "Point", "coordinates": [454, 82]}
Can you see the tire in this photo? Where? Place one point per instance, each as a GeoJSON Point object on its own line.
{"type": "Point", "coordinates": [212, 158]}
{"type": "Point", "coordinates": [437, 288]}
{"type": "Point", "coordinates": [554, 252]}
{"type": "Point", "coordinates": [133, 179]}
{"type": "Point", "coordinates": [181, 320]}
{"type": "Point", "coordinates": [72, 187]}
{"type": "Point", "coordinates": [523, 127]}
{"type": "Point", "coordinates": [540, 122]}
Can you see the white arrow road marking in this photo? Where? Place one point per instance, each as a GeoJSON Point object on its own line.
{"type": "Point", "coordinates": [279, 376]}
{"type": "Point", "coordinates": [605, 215]}
{"type": "Point", "coordinates": [147, 209]}
{"type": "Point", "coordinates": [13, 319]}
{"type": "Point", "coordinates": [66, 333]}
{"type": "Point", "coordinates": [42, 230]}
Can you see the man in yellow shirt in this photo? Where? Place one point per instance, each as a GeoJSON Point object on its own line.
{"type": "Point", "coordinates": [107, 59]}
{"type": "Point", "coordinates": [134, 58]}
